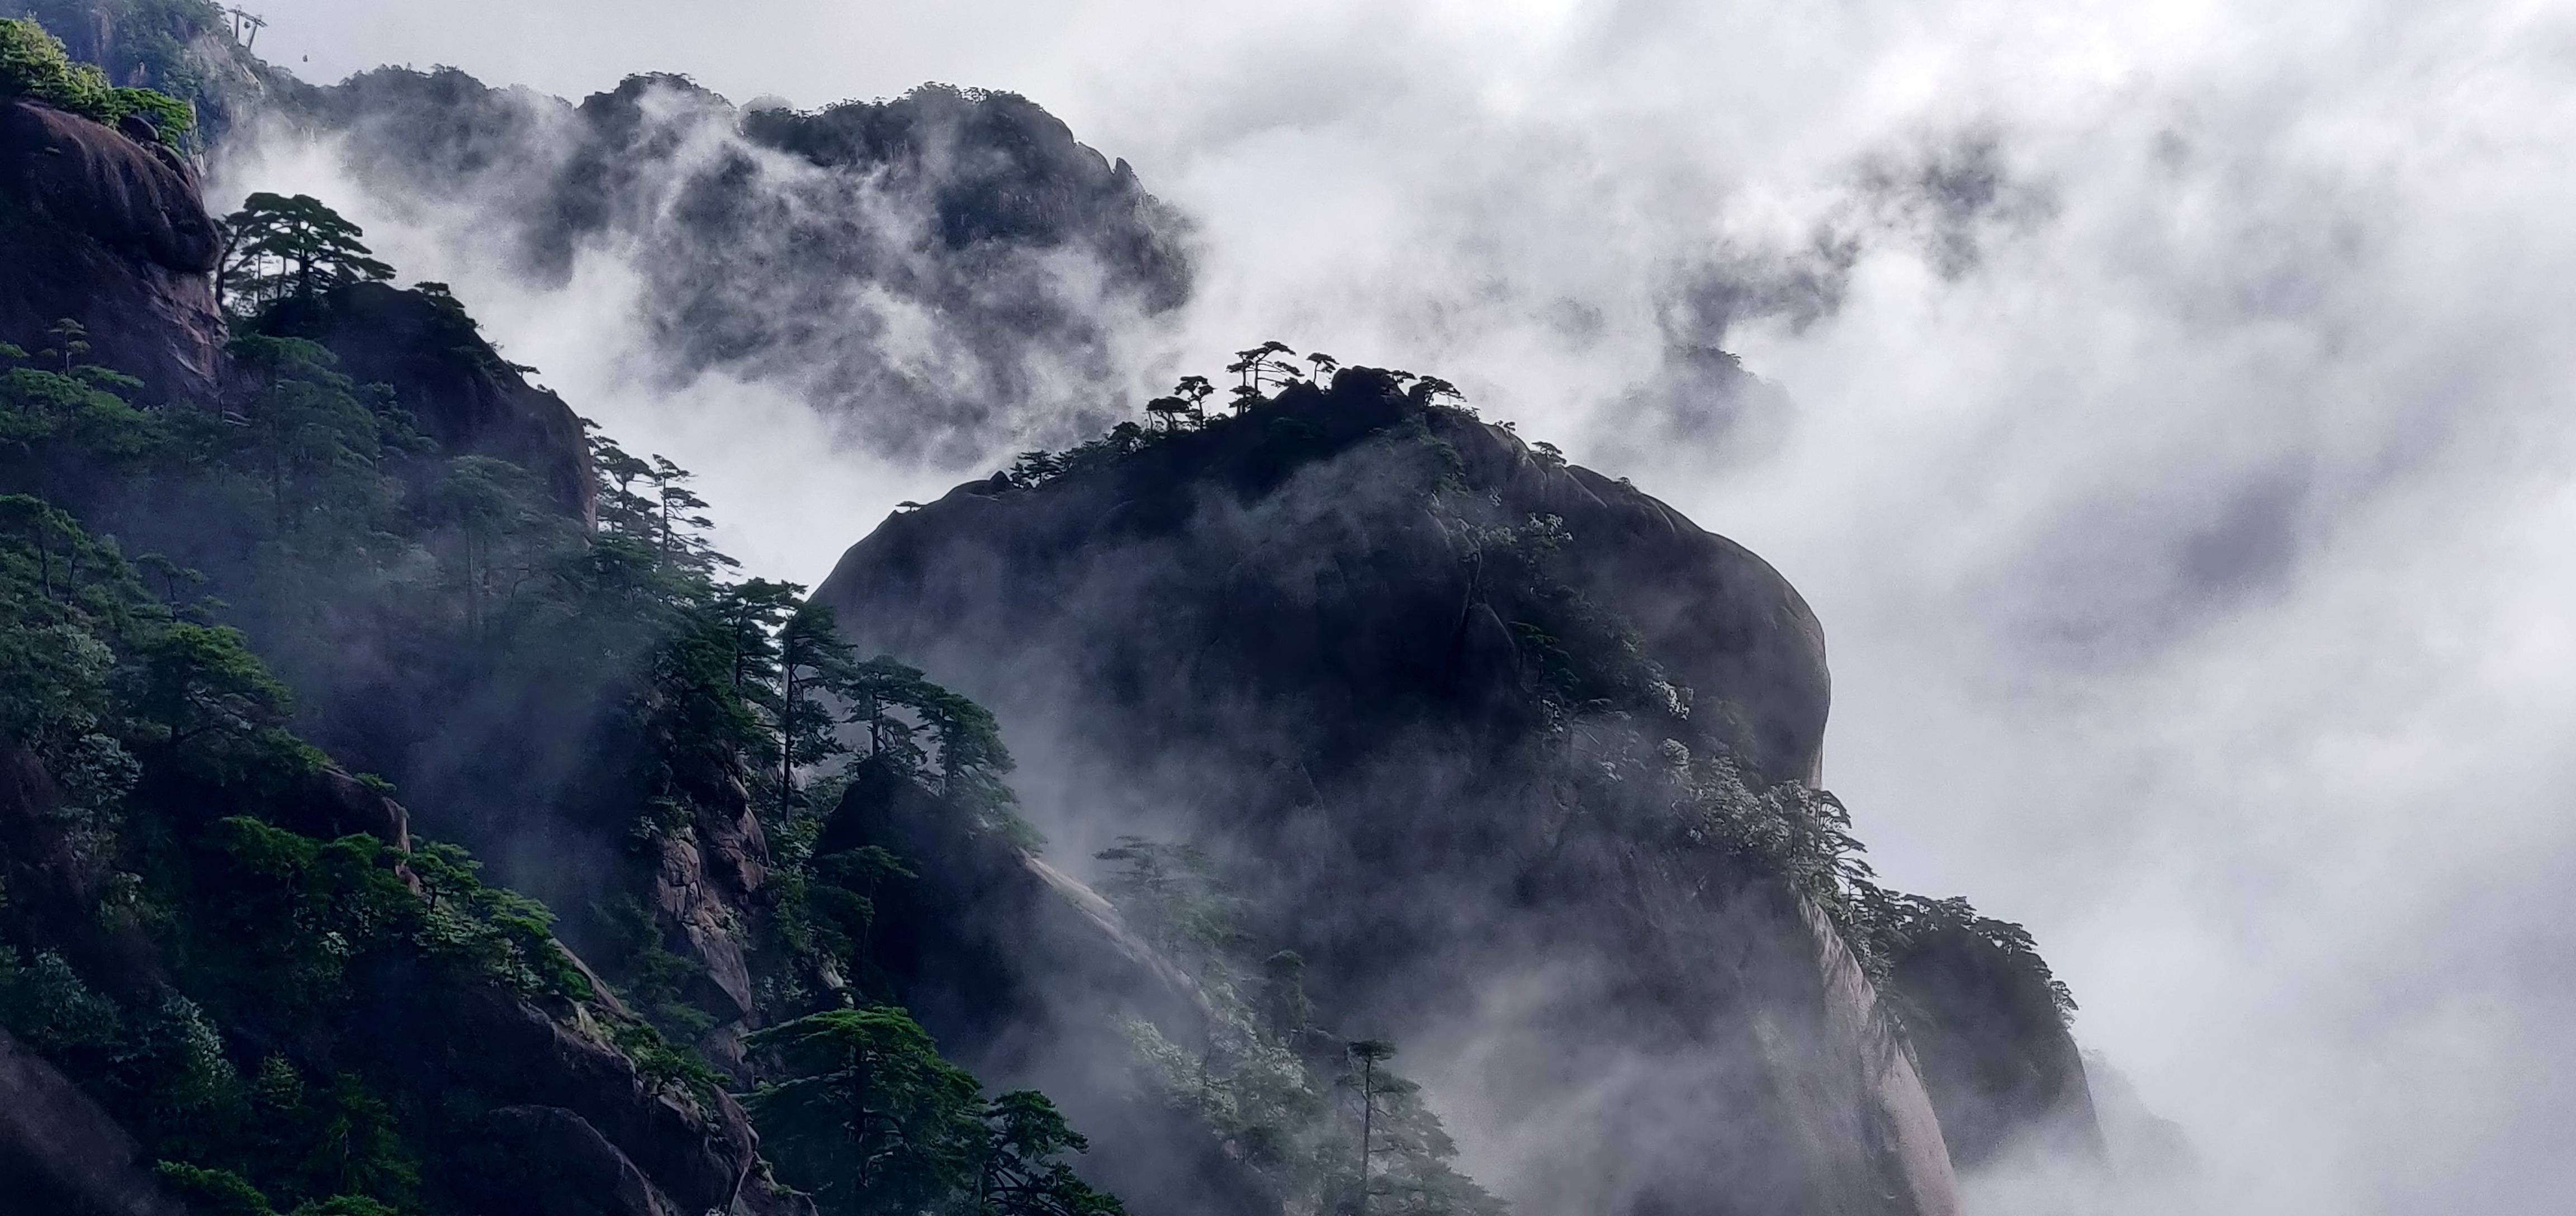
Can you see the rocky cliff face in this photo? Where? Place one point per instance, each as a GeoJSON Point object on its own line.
{"type": "Point", "coordinates": [1271, 637]}
{"type": "Point", "coordinates": [98, 228]}
{"type": "Point", "coordinates": [186, 50]}
{"type": "Point", "coordinates": [2004, 1073]}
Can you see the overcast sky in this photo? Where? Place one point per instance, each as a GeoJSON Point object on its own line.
{"type": "Point", "coordinates": [2182, 458]}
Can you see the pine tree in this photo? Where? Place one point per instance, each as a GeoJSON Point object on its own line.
{"type": "Point", "coordinates": [279, 247]}
{"type": "Point", "coordinates": [813, 661]}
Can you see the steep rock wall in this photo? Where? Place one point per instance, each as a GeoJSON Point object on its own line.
{"type": "Point", "coordinates": [2004, 1073]}
{"type": "Point", "coordinates": [1265, 637]}
{"type": "Point", "coordinates": [100, 229]}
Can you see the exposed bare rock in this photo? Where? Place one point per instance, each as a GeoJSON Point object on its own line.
{"type": "Point", "coordinates": [329, 803]}
{"type": "Point", "coordinates": [697, 1149]}
{"type": "Point", "coordinates": [1278, 637]}
{"type": "Point", "coordinates": [100, 229]}
{"type": "Point", "coordinates": [2003, 1071]}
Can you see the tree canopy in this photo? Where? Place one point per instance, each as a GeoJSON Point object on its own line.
{"type": "Point", "coordinates": [290, 247]}
{"type": "Point", "coordinates": [872, 1122]}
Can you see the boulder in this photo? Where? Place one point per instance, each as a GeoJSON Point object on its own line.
{"type": "Point", "coordinates": [698, 1150]}
{"type": "Point", "coordinates": [100, 228]}
{"type": "Point", "coordinates": [328, 803]}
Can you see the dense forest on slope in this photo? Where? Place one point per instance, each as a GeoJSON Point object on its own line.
{"type": "Point", "coordinates": [238, 950]}
{"type": "Point", "coordinates": [691, 904]}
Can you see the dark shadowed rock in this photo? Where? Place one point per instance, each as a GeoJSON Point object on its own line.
{"type": "Point", "coordinates": [62, 1155]}
{"type": "Point", "coordinates": [185, 50]}
{"type": "Point", "coordinates": [2145, 1148]}
{"type": "Point", "coordinates": [1269, 638]}
{"type": "Point", "coordinates": [329, 803]}
{"type": "Point", "coordinates": [548, 1161]}
{"type": "Point", "coordinates": [2003, 1072]}
{"type": "Point", "coordinates": [1299, 553]}
{"type": "Point", "coordinates": [100, 229]}
{"type": "Point", "coordinates": [436, 1033]}
{"type": "Point", "coordinates": [706, 888]}
{"type": "Point", "coordinates": [699, 1152]}
{"type": "Point", "coordinates": [456, 386]}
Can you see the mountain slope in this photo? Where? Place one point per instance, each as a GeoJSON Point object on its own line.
{"type": "Point", "coordinates": [1509, 753]}
{"type": "Point", "coordinates": [230, 976]}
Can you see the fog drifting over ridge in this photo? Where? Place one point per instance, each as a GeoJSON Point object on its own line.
{"type": "Point", "coordinates": [2180, 457]}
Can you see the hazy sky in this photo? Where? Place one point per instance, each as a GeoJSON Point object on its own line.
{"type": "Point", "coordinates": [2183, 461]}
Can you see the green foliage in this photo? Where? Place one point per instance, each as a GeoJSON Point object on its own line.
{"type": "Point", "coordinates": [881, 690]}
{"type": "Point", "coordinates": [490, 931]}
{"type": "Point", "coordinates": [1023, 1173]}
{"type": "Point", "coordinates": [48, 1007]}
{"type": "Point", "coordinates": [38, 407]}
{"type": "Point", "coordinates": [806, 662]}
{"type": "Point", "coordinates": [1581, 658]}
{"type": "Point", "coordinates": [866, 1116]}
{"type": "Point", "coordinates": [34, 65]}
{"type": "Point", "coordinates": [657, 980]}
{"type": "Point", "coordinates": [1785, 829]}
{"type": "Point", "coordinates": [216, 1192]}
{"type": "Point", "coordinates": [255, 923]}
{"type": "Point", "coordinates": [1286, 1096]}
{"type": "Point", "coordinates": [489, 511]}
{"type": "Point", "coordinates": [869, 1119]}
{"type": "Point", "coordinates": [309, 502]}
{"type": "Point", "coordinates": [663, 1064]}
{"type": "Point", "coordinates": [214, 708]}
{"type": "Point", "coordinates": [1891, 921]}
{"type": "Point", "coordinates": [1173, 892]}
{"type": "Point", "coordinates": [213, 1192]}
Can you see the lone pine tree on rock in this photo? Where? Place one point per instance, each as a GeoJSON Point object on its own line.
{"type": "Point", "coordinates": [291, 247]}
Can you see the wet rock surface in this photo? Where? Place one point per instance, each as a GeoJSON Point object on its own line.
{"type": "Point", "coordinates": [98, 228]}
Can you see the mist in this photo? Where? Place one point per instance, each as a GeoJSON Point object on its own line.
{"type": "Point", "coordinates": [2168, 419]}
